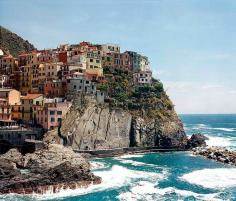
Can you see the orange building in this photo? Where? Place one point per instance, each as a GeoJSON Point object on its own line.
{"type": "Point", "coordinates": [8, 98]}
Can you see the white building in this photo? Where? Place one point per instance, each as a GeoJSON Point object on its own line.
{"type": "Point", "coordinates": [144, 64]}
{"type": "Point", "coordinates": [79, 83]}
{"type": "Point", "coordinates": [110, 48]}
{"type": "Point", "coordinates": [142, 77]}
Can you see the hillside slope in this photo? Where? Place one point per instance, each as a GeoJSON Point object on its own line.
{"type": "Point", "coordinates": [12, 43]}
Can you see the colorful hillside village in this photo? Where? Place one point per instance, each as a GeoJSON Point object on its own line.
{"type": "Point", "coordinates": [37, 88]}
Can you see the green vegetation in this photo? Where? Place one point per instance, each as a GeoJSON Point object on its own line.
{"type": "Point", "coordinates": [12, 43]}
{"type": "Point", "coordinates": [142, 100]}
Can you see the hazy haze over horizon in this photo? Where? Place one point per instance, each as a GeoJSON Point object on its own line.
{"type": "Point", "coordinates": [191, 44]}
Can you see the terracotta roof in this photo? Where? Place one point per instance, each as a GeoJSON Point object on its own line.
{"type": "Point", "coordinates": [31, 96]}
{"type": "Point", "coordinates": [7, 56]}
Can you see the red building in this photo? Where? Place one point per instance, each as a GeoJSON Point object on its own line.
{"type": "Point", "coordinates": [62, 57]}
{"type": "Point", "coordinates": [55, 88]}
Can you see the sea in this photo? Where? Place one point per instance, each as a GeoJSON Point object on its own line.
{"type": "Point", "coordinates": [162, 176]}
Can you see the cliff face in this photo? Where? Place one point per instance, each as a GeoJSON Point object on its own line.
{"type": "Point", "coordinates": [97, 128]}
{"type": "Point", "coordinates": [12, 43]}
{"type": "Point", "coordinates": [103, 128]}
{"type": "Point", "coordinates": [167, 133]}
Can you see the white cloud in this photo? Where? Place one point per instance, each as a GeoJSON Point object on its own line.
{"type": "Point", "coordinates": [193, 97]}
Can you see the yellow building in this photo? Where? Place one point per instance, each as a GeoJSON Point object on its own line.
{"type": "Point", "coordinates": [28, 106]}
{"type": "Point", "coordinates": [28, 59]}
{"type": "Point", "coordinates": [42, 74]}
{"type": "Point", "coordinates": [107, 60]}
{"type": "Point", "coordinates": [29, 79]}
{"type": "Point", "coordinates": [94, 63]}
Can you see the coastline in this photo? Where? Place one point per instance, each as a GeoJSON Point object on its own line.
{"type": "Point", "coordinates": [105, 153]}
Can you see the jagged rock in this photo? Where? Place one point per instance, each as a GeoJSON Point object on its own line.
{"type": "Point", "coordinates": [104, 128]}
{"type": "Point", "coordinates": [97, 128]}
{"type": "Point", "coordinates": [197, 140]}
{"type": "Point", "coordinates": [53, 156]}
{"type": "Point", "coordinates": [216, 153]}
{"type": "Point", "coordinates": [156, 132]}
{"type": "Point", "coordinates": [8, 169]}
{"type": "Point", "coordinates": [13, 156]}
{"type": "Point", "coordinates": [52, 168]}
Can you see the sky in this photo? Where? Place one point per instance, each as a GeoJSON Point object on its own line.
{"type": "Point", "coordinates": [191, 44]}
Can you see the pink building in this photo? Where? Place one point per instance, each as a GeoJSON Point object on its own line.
{"type": "Point", "coordinates": [50, 115]}
{"type": "Point", "coordinates": [44, 56]}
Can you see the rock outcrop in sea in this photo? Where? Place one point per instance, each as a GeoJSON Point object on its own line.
{"type": "Point", "coordinates": [197, 140]}
{"type": "Point", "coordinates": [219, 154]}
{"type": "Point", "coordinates": [50, 169]}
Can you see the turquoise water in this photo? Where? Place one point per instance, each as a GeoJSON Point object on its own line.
{"type": "Point", "coordinates": [163, 176]}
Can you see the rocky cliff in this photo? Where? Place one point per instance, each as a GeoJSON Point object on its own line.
{"type": "Point", "coordinates": [100, 127]}
{"type": "Point", "coordinates": [135, 116]}
{"type": "Point", "coordinates": [50, 169]}
{"type": "Point", "coordinates": [97, 128]}
{"type": "Point", "coordinates": [12, 43]}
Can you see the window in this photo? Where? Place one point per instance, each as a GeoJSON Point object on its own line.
{"type": "Point", "coordinates": [74, 86]}
{"type": "Point", "coordinates": [52, 119]}
{"type": "Point", "coordinates": [52, 112]}
{"type": "Point", "coordinates": [58, 120]}
{"type": "Point", "coordinates": [97, 61]}
{"type": "Point", "coordinates": [91, 60]}
{"type": "Point", "coordinates": [59, 112]}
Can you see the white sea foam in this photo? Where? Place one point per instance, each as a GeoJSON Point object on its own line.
{"type": "Point", "coordinates": [131, 156]}
{"type": "Point", "coordinates": [207, 127]}
{"type": "Point", "coordinates": [137, 163]}
{"type": "Point", "coordinates": [199, 126]}
{"type": "Point", "coordinates": [225, 129]}
{"type": "Point", "coordinates": [97, 165]}
{"type": "Point", "coordinates": [116, 177]}
{"type": "Point", "coordinates": [212, 178]}
{"type": "Point", "coordinates": [219, 141]}
{"type": "Point", "coordinates": [145, 190]}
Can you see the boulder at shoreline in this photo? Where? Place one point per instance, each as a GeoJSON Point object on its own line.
{"type": "Point", "coordinates": [55, 167]}
{"type": "Point", "coordinates": [197, 140]}
{"type": "Point", "coordinates": [219, 154]}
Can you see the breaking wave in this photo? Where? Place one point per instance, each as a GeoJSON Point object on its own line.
{"type": "Point", "coordinates": [116, 177]}
{"type": "Point", "coordinates": [212, 178]}
{"type": "Point", "coordinates": [219, 141]}
{"type": "Point", "coordinates": [145, 190]}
